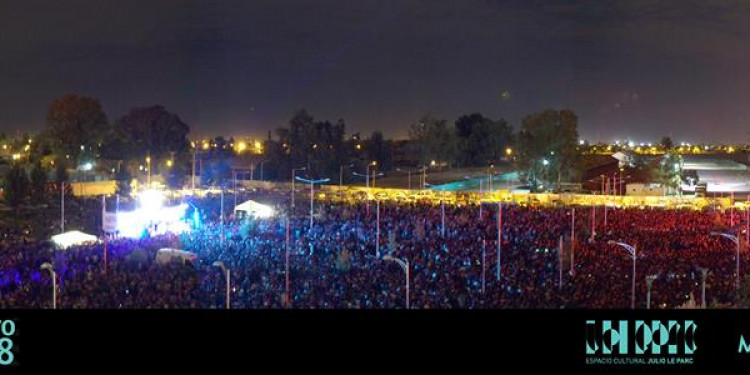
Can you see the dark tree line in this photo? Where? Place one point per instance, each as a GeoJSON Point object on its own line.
{"type": "Point", "coordinates": [323, 149]}
{"type": "Point", "coordinates": [544, 148]}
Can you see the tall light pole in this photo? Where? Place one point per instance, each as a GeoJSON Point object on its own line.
{"type": "Point", "coordinates": [560, 263]}
{"type": "Point", "coordinates": [222, 214]}
{"type": "Point", "coordinates": [312, 193]}
{"type": "Point", "coordinates": [704, 273]}
{"type": "Point", "coordinates": [405, 266]}
{"type": "Point", "coordinates": [261, 168]}
{"type": "Point", "coordinates": [593, 221]}
{"type": "Point", "coordinates": [148, 166]}
{"type": "Point", "coordinates": [377, 231]}
{"type": "Point", "coordinates": [736, 241]}
{"type": "Point", "coordinates": [649, 280]}
{"type": "Point", "coordinates": [484, 269]}
{"type": "Point", "coordinates": [192, 183]}
{"type": "Point", "coordinates": [62, 206]}
{"type": "Point", "coordinates": [219, 264]}
{"type": "Point", "coordinates": [442, 214]}
{"type": "Point", "coordinates": [234, 175]}
{"type": "Point", "coordinates": [294, 173]}
{"type": "Point", "coordinates": [367, 172]}
{"type": "Point", "coordinates": [47, 266]}
{"type": "Point", "coordinates": [632, 251]}
{"type": "Point", "coordinates": [341, 174]}
{"type": "Point", "coordinates": [499, 237]}
{"type": "Point", "coordinates": [572, 240]}
{"type": "Point", "coordinates": [286, 265]}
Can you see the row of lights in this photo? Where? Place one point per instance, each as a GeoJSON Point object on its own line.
{"type": "Point", "coordinates": [239, 147]}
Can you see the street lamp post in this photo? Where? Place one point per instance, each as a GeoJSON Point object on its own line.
{"type": "Point", "coordinates": [312, 193]}
{"type": "Point", "coordinates": [424, 176]}
{"type": "Point", "coordinates": [736, 241]}
{"type": "Point", "coordinates": [341, 174]}
{"type": "Point", "coordinates": [572, 240]}
{"type": "Point", "coordinates": [405, 266]}
{"type": "Point", "coordinates": [377, 230]}
{"type": "Point", "coordinates": [632, 251]}
{"type": "Point", "coordinates": [222, 215]}
{"type": "Point", "coordinates": [148, 166]}
{"type": "Point", "coordinates": [47, 266]}
{"type": "Point", "coordinates": [261, 168]}
{"type": "Point", "coordinates": [484, 270]}
{"type": "Point", "coordinates": [62, 206]}
{"type": "Point", "coordinates": [286, 265]}
{"type": "Point", "coordinates": [649, 280]}
{"type": "Point", "coordinates": [294, 172]}
{"type": "Point", "coordinates": [499, 237]}
{"type": "Point", "coordinates": [234, 175]}
{"type": "Point", "coordinates": [704, 273]}
{"type": "Point", "coordinates": [442, 214]}
{"type": "Point", "coordinates": [192, 180]}
{"type": "Point", "coordinates": [219, 264]}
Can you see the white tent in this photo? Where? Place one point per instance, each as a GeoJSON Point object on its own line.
{"type": "Point", "coordinates": [255, 209]}
{"type": "Point", "coordinates": [72, 238]}
{"type": "Point", "coordinates": [166, 255]}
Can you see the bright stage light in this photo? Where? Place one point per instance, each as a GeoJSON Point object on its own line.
{"type": "Point", "coordinates": [151, 199]}
{"type": "Point", "coordinates": [264, 212]}
{"type": "Point", "coordinates": [152, 217]}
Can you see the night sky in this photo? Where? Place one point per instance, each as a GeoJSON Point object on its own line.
{"type": "Point", "coordinates": [630, 69]}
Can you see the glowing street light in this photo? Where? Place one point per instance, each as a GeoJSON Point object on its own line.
{"type": "Point", "coordinates": [649, 280]}
{"type": "Point", "coordinates": [632, 251]}
{"type": "Point", "coordinates": [242, 146]}
{"type": "Point", "coordinates": [405, 266]}
{"type": "Point", "coordinates": [736, 241]}
{"type": "Point", "coordinates": [294, 174]}
{"type": "Point", "coordinates": [219, 264]}
{"type": "Point", "coordinates": [47, 266]}
{"type": "Point", "coordinates": [312, 193]}
{"type": "Point", "coordinates": [148, 168]}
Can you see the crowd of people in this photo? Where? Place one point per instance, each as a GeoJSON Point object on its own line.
{"type": "Point", "coordinates": [283, 262]}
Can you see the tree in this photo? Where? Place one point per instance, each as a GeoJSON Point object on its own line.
{"type": "Point", "coordinates": [317, 145]}
{"type": "Point", "coordinates": [154, 130]}
{"type": "Point", "coordinates": [481, 140]}
{"type": "Point", "coordinates": [174, 176]}
{"type": "Point", "coordinates": [668, 172]}
{"type": "Point", "coordinates": [77, 124]}
{"type": "Point", "coordinates": [215, 173]}
{"type": "Point", "coordinates": [38, 183]}
{"type": "Point", "coordinates": [379, 150]}
{"type": "Point", "coordinates": [118, 146]}
{"type": "Point", "coordinates": [435, 140]}
{"type": "Point", "coordinates": [547, 146]}
{"type": "Point", "coordinates": [667, 143]}
{"type": "Point", "coordinates": [61, 172]}
{"type": "Point", "coordinates": [16, 186]}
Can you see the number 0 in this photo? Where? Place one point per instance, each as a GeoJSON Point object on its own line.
{"type": "Point", "coordinates": [8, 327]}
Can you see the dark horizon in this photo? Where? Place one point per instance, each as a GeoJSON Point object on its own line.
{"type": "Point", "coordinates": [630, 70]}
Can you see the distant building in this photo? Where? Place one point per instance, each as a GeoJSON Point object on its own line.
{"type": "Point", "coordinates": [720, 175]}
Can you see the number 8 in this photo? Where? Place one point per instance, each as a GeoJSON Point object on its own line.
{"type": "Point", "coordinates": [6, 356]}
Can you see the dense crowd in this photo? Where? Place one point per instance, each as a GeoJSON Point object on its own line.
{"type": "Point", "coordinates": [334, 264]}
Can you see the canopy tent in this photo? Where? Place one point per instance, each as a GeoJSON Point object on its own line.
{"type": "Point", "coordinates": [167, 255]}
{"type": "Point", "coordinates": [255, 209]}
{"type": "Point", "coordinates": [72, 238]}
